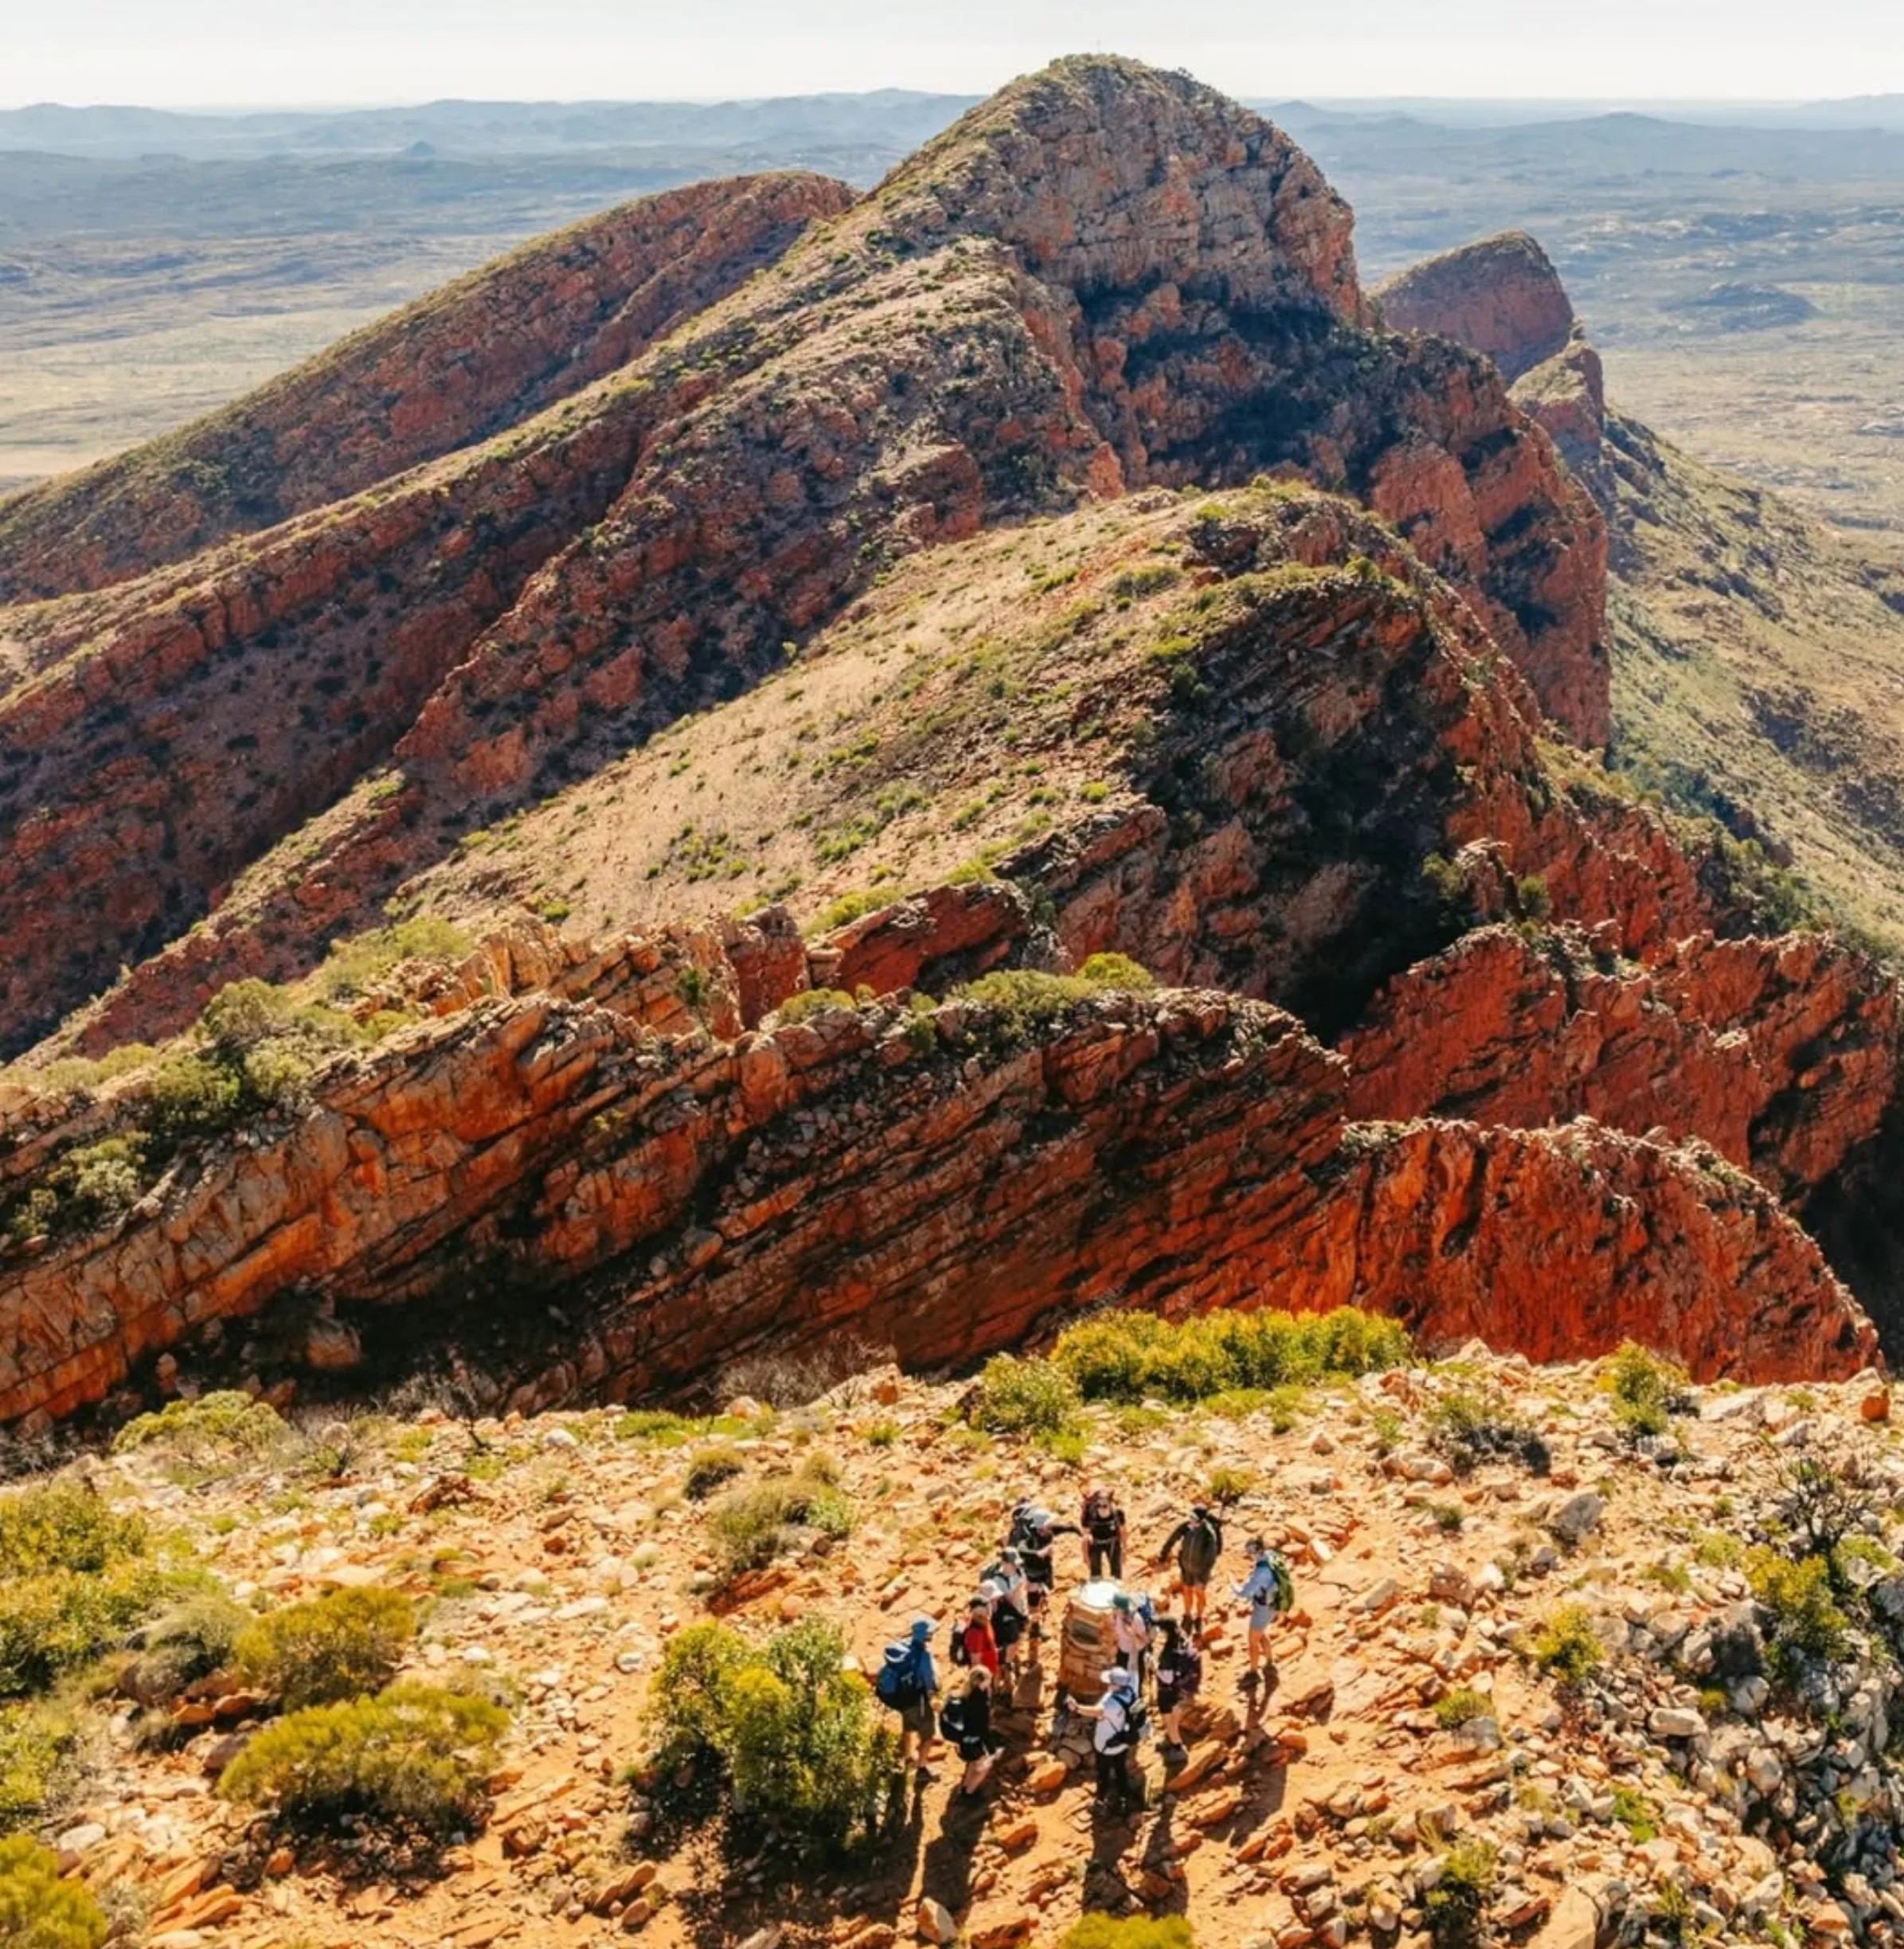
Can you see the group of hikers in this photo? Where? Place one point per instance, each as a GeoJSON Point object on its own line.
{"type": "Point", "coordinates": [1155, 1649]}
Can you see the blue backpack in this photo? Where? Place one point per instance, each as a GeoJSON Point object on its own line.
{"type": "Point", "coordinates": [897, 1683]}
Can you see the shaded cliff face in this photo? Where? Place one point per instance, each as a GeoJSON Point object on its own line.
{"type": "Point", "coordinates": [690, 1196]}
{"type": "Point", "coordinates": [487, 352]}
{"type": "Point", "coordinates": [1106, 277]}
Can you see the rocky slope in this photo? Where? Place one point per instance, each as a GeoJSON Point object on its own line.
{"type": "Point", "coordinates": [1105, 278]}
{"type": "Point", "coordinates": [488, 353]}
{"type": "Point", "coordinates": [1679, 1777]}
{"type": "Point", "coordinates": [1756, 655]}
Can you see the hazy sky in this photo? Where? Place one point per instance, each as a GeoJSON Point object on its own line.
{"type": "Point", "coordinates": [210, 53]}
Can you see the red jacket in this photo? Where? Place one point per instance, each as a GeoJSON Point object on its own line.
{"type": "Point", "coordinates": [981, 1646]}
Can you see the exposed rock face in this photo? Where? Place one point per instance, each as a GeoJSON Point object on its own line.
{"type": "Point", "coordinates": [486, 352]}
{"type": "Point", "coordinates": [1500, 295]}
{"type": "Point", "coordinates": [1781, 1055]}
{"type": "Point", "coordinates": [698, 1196]}
{"type": "Point", "coordinates": [1106, 277]}
{"type": "Point", "coordinates": [1610, 1238]}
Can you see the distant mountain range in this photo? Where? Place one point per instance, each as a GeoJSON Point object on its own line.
{"type": "Point", "coordinates": [890, 119]}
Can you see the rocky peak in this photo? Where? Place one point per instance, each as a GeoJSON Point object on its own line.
{"type": "Point", "coordinates": [1104, 174]}
{"type": "Point", "coordinates": [1499, 295]}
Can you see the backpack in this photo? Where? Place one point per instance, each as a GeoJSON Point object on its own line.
{"type": "Point", "coordinates": [1285, 1583]}
{"type": "Point", "coordinates": [961, 1653]}
{"type": "Point", "coordinates": [1141, 1603]}
{"type": "Point", "coordinates": [1203, 1543]}
{"type": "Point", "coordinates": [1031, 1528]}
{"type": "Point", "coordinates": [897, 1683]}
{"type": "Point", "coordinates": [951, 1719]}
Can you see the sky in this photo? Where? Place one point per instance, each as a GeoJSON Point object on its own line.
{"type": "Point", "coordinates": [215, 53]}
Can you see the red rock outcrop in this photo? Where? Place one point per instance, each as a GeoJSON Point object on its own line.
{"type": "Point", "coordinates": [1108, 276]}
{"type": "Point", "coordinates": [945, 1184]}
{"type": "Point", "coordinates": [1500, 295]}
{"type": "Point", "coordinates": [1564, 1243]}
{"type": "Point", "coordinates": [484, 352]}
{"type": "Point", "coordinates": [1782, 1055]}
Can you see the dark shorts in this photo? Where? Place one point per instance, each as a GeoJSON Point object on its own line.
{"type": "Point", "coordinates": [1191, 1582]}
{"type": "Point", "coordinates": [920, 1718]}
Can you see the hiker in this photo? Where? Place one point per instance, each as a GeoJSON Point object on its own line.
{"type": "Point", "coordinates": [1033, 1532]}
{"type": "Point", "coordinates": [1120, 1719]}
{"type": "Point", "coordinates": [1102, 1522]}
{"type": "Point", "coordinates": [908, 1683]}
{"type": "Point", "coordinates": [975, 1643]}
{"type": "Point", "coordinates": [1197, 1541]}
{"type": "Point", "coordinates": [1003, 1584]}
{"type": "Point", "coordinates": [1269, 1591]}
{"type": "Point", "coordinates": [966, 1721]}
{"type": "Point", "coordinates": [1179, 1669]}
{"type": "Point", "coordinates": [1131, 1633]}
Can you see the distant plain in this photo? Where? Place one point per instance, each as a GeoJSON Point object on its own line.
{"type": "Point", "coordinates": [1745, 284]}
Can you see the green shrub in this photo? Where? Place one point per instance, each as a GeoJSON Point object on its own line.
{"type": "Point", "coordinates": [1227, 1484]}
{"type": "Point", "coordinates": [343, 1645]}
{"type": "Point", "coordinates": [356, 964]}
{"type": "Point", "coordinates": [37, 1909]}
{"type": "Point", "coordinates": [1457, 1904]}
{"type": "Point", "coordinates": [1130, 1356]}
{"type": "Point", "coordinates": [1566, 1647]}
{"type": "Point", "coordinates": [708, 1467]}
{"type": "Point", "coordinates": [850, 907]}
{"type": "Point", "coordinates": [192, 1096]}
{"type": "Point", "coordinates": [1636, 1814]}
{"type": "Point", "coordinates": [814, 1001]}
{"type": "Point", "coordinates": [81, 1189]}
{"type": "Point", "coordinates": [803, 1741]}
{"type": "Point", "coordinates": [1646, 1389]}
{"type": "Point", "coordinates": [1139, 1931]}
{"type": "Point", "coordinates": [1472, 1425]}
{"type": "Point", "coordinates": [1025, 1001]}
{"type": "Point", "coordinates": [1117, 970]}
{"type": "Point", "coordinates": [35, 1739]}
{"type": "Point", "coordinates": [215, 1426]}
{"type": "Point", "coordinates": [415, 1760]}
{"type": "Point", "coordinates": [752, 1524]}
{"type": "Point", "coordinates": [1454, 1709]}
{"type": "Point", "coordinates": [689, 1697]}
{"type": "Point", "coordinates": [1022, 1397]}
{"type": "Point", "coordinates": [74, 1578]}
{"type": "Point", "coordinates": [1807, 1627]}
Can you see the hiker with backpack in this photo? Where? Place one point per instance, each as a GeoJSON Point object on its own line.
{"type": "Point", "coordinates": [1131, 1633]}
{"type": "Point", "coordinates": [1003, 1584]}
{"type": "Point", "coordinates": [965, 1720]}
{"type": "Point", "coordinates": [908, 1683]}
{"type": "Point", "coordinates": [974, 1643]}
{"type": "Point", "coordinates": [1197, 1541]}
{"type": "Point", "coordinates": [1102, 1523]}
{"type": "Point", "coordinates": [1034, 1532]}
{"type": "Point", "coordinates": [1179, 1670]}
{"type": "Point", "coordinates": [1121, 1718]}
{"type": "Point", "coordinates": [1270, 1590]}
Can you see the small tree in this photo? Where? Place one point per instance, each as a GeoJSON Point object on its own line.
{"type": "Point", "coordinates": [797, 1733]}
